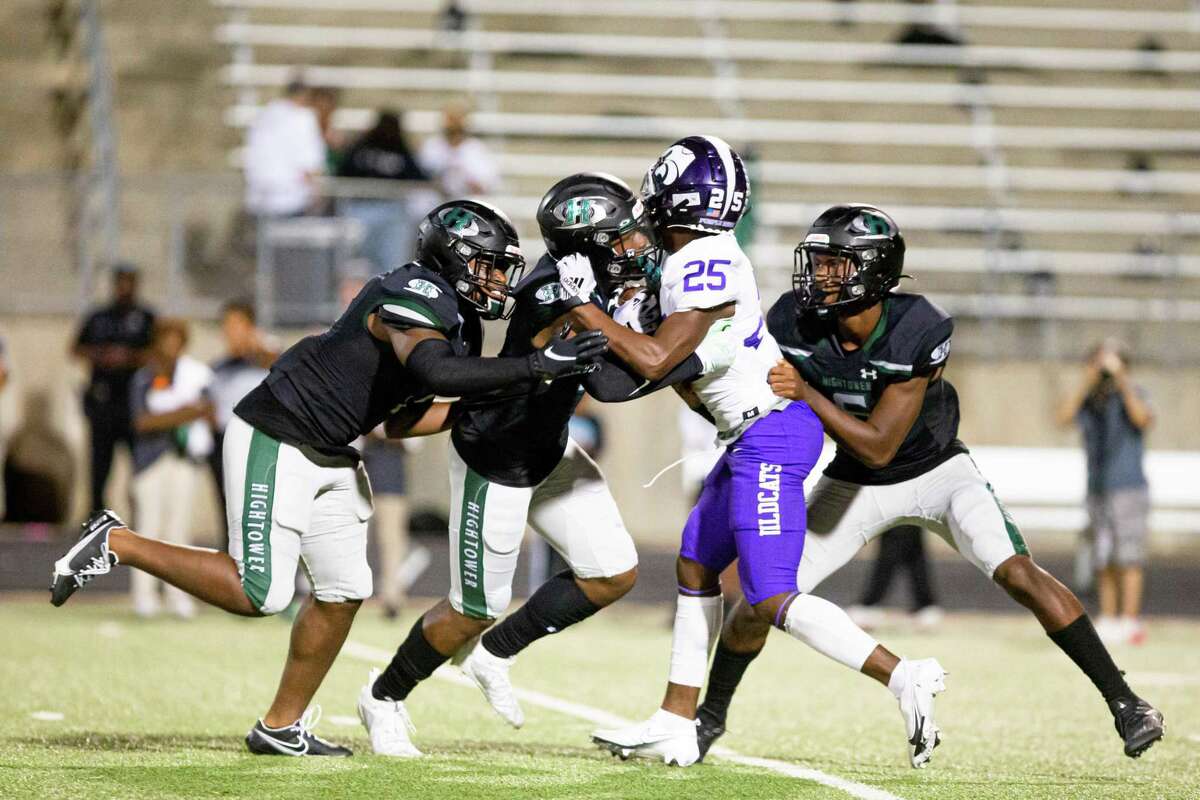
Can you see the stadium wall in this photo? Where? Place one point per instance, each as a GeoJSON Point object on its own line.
{"type": "Point", "coordinates": [1004, 403]}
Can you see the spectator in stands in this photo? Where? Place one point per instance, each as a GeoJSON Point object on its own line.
{"type": "Point", "coordinates": [325, 101]}
{"type": "Point", "coordinates": [382, 153]}
{"type": "Point", "coordinates": [453, 18]}
{"type": "Point", "coordinates": [112, 340]}
{"type": "Point", "coordinates": [459, 162]}
{"type": "Point", "coordinates": [284, 156]}
{"type": "Point", "coordinates": [901, 548]}
{"type": "Point", "coordinates": [248, 356]}
{"type": "Point", "coordinates": [172, 418]}
{"type": "Point", "coordinates": [1113, 413]}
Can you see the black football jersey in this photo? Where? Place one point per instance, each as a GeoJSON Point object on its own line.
{"type": "Point", "coordinates": [912, 339]}
{"type": "Point", "coordinates": [517, 437]}
{"type": "Point", "coordinates": [327, 390]}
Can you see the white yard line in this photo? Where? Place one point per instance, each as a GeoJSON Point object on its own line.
{"type": "Point", "coordinates": [375, 655]}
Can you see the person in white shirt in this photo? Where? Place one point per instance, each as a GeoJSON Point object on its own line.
{"type": "Point", "coordinates": [461, 164]}
{"type": "Point", "coordinates": [172, 417]}
{"type": "Point", "coordinates": [284, 154]}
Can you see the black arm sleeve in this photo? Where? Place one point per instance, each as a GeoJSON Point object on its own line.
{"type": "Point", "coordinates": [616, 382]}
{"type": "Point", "coordinates": [434, 363]}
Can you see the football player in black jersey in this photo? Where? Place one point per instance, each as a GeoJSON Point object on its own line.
{"type": "Point", "coordinates": [869, 362]}
{"type": "Point", "coordinates": [512, 463]}
{"type": "Point", "coordinates": [295, 486]}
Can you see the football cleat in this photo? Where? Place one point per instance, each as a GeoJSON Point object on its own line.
{"type": "Point", "coordinates": [490, 674]}
{"type": "Point", "coordinates": [1138, 723]}
{"type": "Point", "coordinates": [296, 739]}
{"type": "Point", "coordinates": [387, 723]}
{"type": "Point", "coordinates": [708, 730]}
{"type": "Point", "coordinates": [86, 559]}
{"type": "Point", "coordinates": [925, 679]}
{"type": "Point", "coordinates": [665, 736]}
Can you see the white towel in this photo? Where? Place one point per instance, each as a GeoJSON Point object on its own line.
{"type": "Point", "coordinates": [190, 379]}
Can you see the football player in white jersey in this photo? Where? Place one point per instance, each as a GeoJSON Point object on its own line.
{"type": "Point", "coordinates": [751, 507]}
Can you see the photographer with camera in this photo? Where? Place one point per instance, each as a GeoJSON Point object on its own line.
{"type": "Point", "coordinates": [1113, 413]}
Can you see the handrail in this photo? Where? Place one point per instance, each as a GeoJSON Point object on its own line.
{"type": "Point", "coordinates": [779, 10]}
{"type": "Point", "coordinates": [684, 48]}
{"type": "Point", "coordinates": [867, 92]}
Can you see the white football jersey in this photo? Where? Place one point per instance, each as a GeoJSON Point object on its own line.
{"type": "Point", "coordinates": [709, 272]}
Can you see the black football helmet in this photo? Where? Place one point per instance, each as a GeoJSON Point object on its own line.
{"type": "Point", "coordinates": [872, 249]}
{"type": "Point", "coordinates": [468, 242]}
{"type": "Point", "coordinates": [599, 216]}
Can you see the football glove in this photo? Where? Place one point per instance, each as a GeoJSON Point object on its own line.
{"type": "Point", "coordinates": [562, 358]}
{"type": "Point", "coordinates": [719, 348]}
{"type": "Point", "coordinates": [577, 279]}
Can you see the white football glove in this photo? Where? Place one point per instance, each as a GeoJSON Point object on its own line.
{"type": "Point", "coordinates": [639, 313]}
{"type": "Point", "coordinates": [719, 348]}
{"type": "Point", "coordinates": [575, 275]}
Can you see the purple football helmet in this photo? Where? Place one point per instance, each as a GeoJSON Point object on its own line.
{"type": "Point", "coordinates": [699, 183]}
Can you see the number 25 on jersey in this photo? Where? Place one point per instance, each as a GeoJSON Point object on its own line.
{"type": "Point", "coordinates": [701, 275]}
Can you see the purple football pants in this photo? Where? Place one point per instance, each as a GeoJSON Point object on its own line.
{"type": "Point", "coordinates": [751, 506]}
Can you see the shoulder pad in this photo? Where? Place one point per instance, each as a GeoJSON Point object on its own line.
{"type": "Point", "coordinates": [414, 296]}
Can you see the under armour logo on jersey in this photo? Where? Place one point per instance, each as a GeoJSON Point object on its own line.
{"type": "Point", "coordinates": [868, 374]}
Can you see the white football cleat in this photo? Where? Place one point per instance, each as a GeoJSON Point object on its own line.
{"type": "Point", "coordinates": [664, 736]}
{"type": "Point", "coordinates": [490, 674]}
{"type": "Point", "coordinates": [924, 679]}
{"type": "Point", "coordinates": [387, 723]}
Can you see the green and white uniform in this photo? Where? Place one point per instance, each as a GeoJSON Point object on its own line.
{"type": "Point", "coordinates": [512, 464]}
{"type": "Point", "coordinates": [295, 487]}
{"type": "Point", "coordinates": [932, 481]}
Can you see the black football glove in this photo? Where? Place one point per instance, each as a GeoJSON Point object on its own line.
{"type": "Point", "coordinates": [565, 357]}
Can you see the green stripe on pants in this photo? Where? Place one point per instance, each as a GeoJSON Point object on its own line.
{"type": "Point", "coordinates": [470, 545]}
{"type": "Point", "coordinates": [1014, 533]}
{"type": "Point", "coordinates": [257, 506]}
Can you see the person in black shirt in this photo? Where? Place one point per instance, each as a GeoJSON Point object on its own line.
{"type": "Point", "coordinates": [295, 486]}
{"type": "Point", "coordinates": [113, 341]}
{"type": "Point", "coordinates": [383, 154]}
{"type": "Point", "coordinates": [870, 362]}
{"type": "Point", "coordinates": [513, 463]}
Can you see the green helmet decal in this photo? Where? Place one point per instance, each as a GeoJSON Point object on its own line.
{"type": "Point", "coordinates": [459, 220]}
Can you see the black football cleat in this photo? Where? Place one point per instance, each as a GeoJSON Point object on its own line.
{"type": "Point", "coordinates": [1138, 723]}
{"type": "Point", "coordinates": [708, 730]}
{"type": "Point", "coordinates": [86, 559]}
{"type": "Point", "coordinates": [294, 740]}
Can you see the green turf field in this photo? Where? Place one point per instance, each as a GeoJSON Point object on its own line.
{"type": "Point", "coordinates": [159, 709]}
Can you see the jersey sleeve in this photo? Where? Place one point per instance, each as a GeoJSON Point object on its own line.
{"type": "Point", "coordinates": [934, 349]}
{"type": "Point", "coordinates": [781, 324]}
{"type": "Point", "coordinates": [414, 297]}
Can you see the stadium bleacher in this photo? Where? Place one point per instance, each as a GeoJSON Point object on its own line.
{"type": "Point", "coordinates": [1006, 156]}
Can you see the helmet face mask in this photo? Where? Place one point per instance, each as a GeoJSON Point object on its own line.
{"type": "Point", "coordinates": [475, 247]}
{"type": "Point", "coordinates": [852, 256]}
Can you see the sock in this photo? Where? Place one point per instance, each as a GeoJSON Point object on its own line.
{"type": "Point", "coordinates": [1079, 641]}
{"type": "Point", "coordinates": [723, 679]}
{"type": "Point", "coordinates": [827, 629]}
{"type": "Point", "coordinates": [697, 625]}
{"type": "Point", "coordinates": [415, 660]}
{"type": "Point", "coordinates": [898, 679]}
{"type": "Point", "coordinates": [557, 604]}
